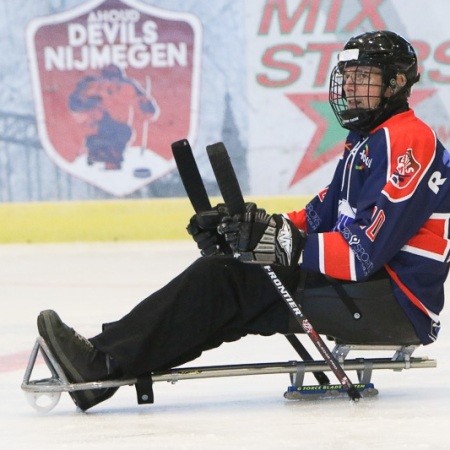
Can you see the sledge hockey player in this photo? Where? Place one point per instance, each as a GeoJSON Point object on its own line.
{"type": "Point", "coordinates": [366, 259]}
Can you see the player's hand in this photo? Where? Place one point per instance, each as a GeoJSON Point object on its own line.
{"type": "Point", "coordinates": [203, 229]}
{"type": "Point", "coordinates": [257, 237]}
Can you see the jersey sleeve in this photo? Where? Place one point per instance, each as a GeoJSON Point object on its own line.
{"type": "Point", "coordinates": [298, 218]}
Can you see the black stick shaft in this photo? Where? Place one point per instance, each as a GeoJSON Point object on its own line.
{"type": "Point", "coordinates": [232, 195]}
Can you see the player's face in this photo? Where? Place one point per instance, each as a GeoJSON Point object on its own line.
{"type": "Point", "coordinates": [363, 86]}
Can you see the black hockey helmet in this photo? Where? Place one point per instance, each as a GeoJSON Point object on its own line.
{"type": "Point", "coordinates": [392, 55]}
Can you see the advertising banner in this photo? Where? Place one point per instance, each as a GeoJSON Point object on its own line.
{"type": "Point", "coordinates": [115, 82]}
{"type": "Point", "coordinates": [294, 138]}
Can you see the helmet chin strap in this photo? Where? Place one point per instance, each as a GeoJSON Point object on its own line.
{"type": "Point", "coordinates": [364, 120]}
{"type": "Point", "coordinates": [388, 107]}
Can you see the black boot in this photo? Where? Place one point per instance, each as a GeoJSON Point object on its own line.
{"type": "Point", "coordinates": [78, 358]}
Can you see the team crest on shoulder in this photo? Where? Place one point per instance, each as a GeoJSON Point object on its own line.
{"type": "Point", "coordinates": [405, 177]}
{"type": "Point", "coordinates": [407, 168]}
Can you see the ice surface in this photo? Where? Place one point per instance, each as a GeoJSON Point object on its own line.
{"type": "Point", "coordinates": [93, 283]}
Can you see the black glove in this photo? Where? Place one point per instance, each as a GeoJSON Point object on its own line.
{"type": "Point", "coordinates": [264, 239]}
{"type": "Point", "coordinates": [203, 228]}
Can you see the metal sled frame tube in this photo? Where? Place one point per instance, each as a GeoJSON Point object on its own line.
{"type": "Point", "coordinates": [191, 373]}
{"type": "Point", "coordinates": [58, 382]}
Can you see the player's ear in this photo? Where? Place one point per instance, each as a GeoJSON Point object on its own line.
{"type": "Point", "coordinates": [401, 80]}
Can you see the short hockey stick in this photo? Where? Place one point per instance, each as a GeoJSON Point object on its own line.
{"type": "Point", "coordinates": [196, 191]}
{"type": "Point", "coordinates": [234, 200]}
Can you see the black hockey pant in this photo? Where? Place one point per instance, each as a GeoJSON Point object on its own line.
{"type": "Point", "coordinates": [219, 299]}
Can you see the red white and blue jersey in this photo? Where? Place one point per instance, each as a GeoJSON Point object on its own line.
{"type": "Point", "coordinates": [388, 205]}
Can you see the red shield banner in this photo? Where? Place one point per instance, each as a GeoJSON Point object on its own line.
{"type": "Point", "coordinates": [115, 82]}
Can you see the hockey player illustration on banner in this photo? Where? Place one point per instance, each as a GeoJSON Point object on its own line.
{"type": "Point", "coordinates": [111, 106]}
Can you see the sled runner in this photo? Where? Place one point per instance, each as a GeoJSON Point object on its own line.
{"type": "Point", "coordinates": [44, 394]}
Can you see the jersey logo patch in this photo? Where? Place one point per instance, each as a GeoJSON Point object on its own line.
{"type": "Point", "coordinates": [407, 168]}
{"type": "Point", "coordinates": [405, 178]}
